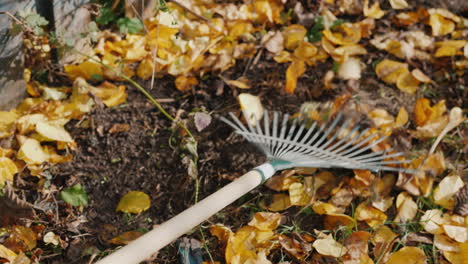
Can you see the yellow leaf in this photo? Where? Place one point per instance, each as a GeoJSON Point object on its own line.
{"type": "Point", "coordinates": [53, 132]}
{"type": "Point", "coordinates": [346, 34]}
{"type": "Point", "coordinates": [424, 113]}
{"type": "Point", "coordinates": [185, 83]}
{"type": "Point", "coordinates": [88, 70]}
{"type": "Point", "coordinates": [135, 50]}
{"type": "Point", "coordinates": [444, 194]}
{"type": "Point", "coordinates": [457, 257]}
{"type": "Point", "coordinates": [420, 76]}
{"type": "Point", "coordinates": [372, 216]}
{"type": "Point", "coordinates": [145, 69]}
{"type": "Point", "coordinates": [408, 255]}
{"type": "Point", "coordinates": [125, 238]}
{"type": "Point", "coordinates": [322, 208]}
{"type": "Point", "coordinates": [240, 28]}
{"type": "Point", "coordinates": [449, 48]}
{"type": "Point", "coordinates": [7, 254]}
{"type": "Point", "coordinates": [406, 207]}
{"type": "Point", "coordinates": [401, 119]}
{"type": "Point", "coordinates": [32, 152]}
{"type": "Point", "coordinates": [7, 121]}
{"type": "Point", "coordinates": [110, 94]}
{"type": "Point", "coordinates": [252, 106]}
{"type": "Point", "coordinates": [297, 194]}
{"type": "Point", "coordinates": [265, 221]}
{"type": "Point", "coordinates": [440, 25]}
{"type": "Point", "coordinates": [374, 11]}
{"type": "Point", "coordinates": [279, 202]}
{"type": "Point", "coordinates": [134, 202]}
{"type": "Point", "coordinates": [267, 10]}
{"type": "Point", "coordinates": [407, 83]}
{"type": "Point", "coordinates": [181, 65]}
{"type": "Point", "coordinates": [444, 243]}
{"type": "Point", "coordinates": [305, 51]}
{"type": "Point", "coordinates": [294, 71]}
{"type": "Point", "coordinates": [221, 232]}
{"type": "Point", "coordinates": [329, 247]}
{"type": "Point", "coordinates": [293, 36]}
{"type": "Point", "coordinates": [281, 182]}
{"type": "Point", "coordinates": [283, 57]}
{"type": "Point", "coordinates": [390, 71]}
{"type": "Point", "coordinates": [7, 170]}
{"type": "Point", "coordinates": [21, 238]}
{"type": "Point", "coordinates": [381, 117]}
{"type": "Point", "coordinates": [342, 53]}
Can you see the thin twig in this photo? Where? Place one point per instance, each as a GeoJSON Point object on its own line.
{"type": "Point", "coordinates": [17, 20]}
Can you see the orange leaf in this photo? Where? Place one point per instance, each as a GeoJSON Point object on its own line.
{"type": "Point", "coordinates": [184, 83]}
{"type": "Point", "coordinates": [294, 71]}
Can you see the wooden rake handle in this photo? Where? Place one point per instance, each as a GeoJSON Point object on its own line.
{"type": "Point", "coordinates": [151, 242]}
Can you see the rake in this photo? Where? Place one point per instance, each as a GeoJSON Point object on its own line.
{"type": "Point", "coordinates": [287, 144]}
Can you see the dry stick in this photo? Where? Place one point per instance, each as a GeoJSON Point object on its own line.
{"type": "Point", "coordinates": [17, 20]}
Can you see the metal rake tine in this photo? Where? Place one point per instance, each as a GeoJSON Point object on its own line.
{"type": "Point", "coordinates": [358, 145]}
{"type": "Point", "coordinates": [353, 154]}
{"type": "Point", "coordinates": [282, 133]}
{"type": "Point", "coordinates": [382, 157]}
{"type": "Point", "coordinates": [343, 126]}
{"type": "Point", "coordinates": [350, 142]}
{"type": "Point", "coordinates": [327, 132]}
{"type": "Point", "coordinates": [241, 127]}
{"type": "Point", "coordinates": [266, 123]}
{"type": "Point", "coordinates": [345, 138]}
{"type": "Point", "coordinates": [290, 133]}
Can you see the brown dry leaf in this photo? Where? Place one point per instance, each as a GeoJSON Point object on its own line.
{"type": "Point", "coordinates": [444, 193]}
{"type": "Point", "coordinates": [125, 238]}
{"type": "Point", "coordinates": [398, 4]}
{"type": "Point", "coordinates": [327, 246]}
{"type": "Point", "coordinates": [293, 36]}
{"type": "Point", "coordinates": [322, 208]}
{"type": "Point", "coordinates": [294, 71]}
{"type": "Point", "coordinates": [185, 83]}
{"type": "Point", "coordinates": [8, 169]}
{"type": "Point", "coordinates": [279, 202]}
{"type": "Point", "coordinates": [282, 182]}
{"type": "Point", "coordinates": [273, 41]}
{"type": "Point", "coordinates": [358, 250]}
{"type": "Point", "coordinates": [221, 232]}
{"type": "Point", "coordinates": [396, 72]}
{"type": "Point", "coordinates": [406, 207]}
{"type": "Point", "coordinates": [411, 255]}
{"type": "Point", "coordinates": [457, 257]}
{"type": "Point", "coordinates": [21, 239]}
{"type": "Point", "coordinates": [299, 249]}
{"type": "Point", "coordinates": [134, 202]}
{"type": "Point", "coordinates": [449, 48]}
{"type": "Point", "coordinates": [334, 221]}
{"type": "Point", "coordinates": [88, 70]}
{"type": "Point", "coordinates": [374, 11]}
{"type": "Point", "coordinates": [372, 216]}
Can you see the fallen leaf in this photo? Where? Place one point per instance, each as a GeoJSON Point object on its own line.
{"type": "Point", "coordinates": [294, 71]}
{"type": "Point", "coordinates": [75, 195]}
{"type": "Point", "coordinates": [420, 76]}
{"type": "Point", "coordinates": [457, 233]}
{"type": "Point", "coordinates": [298, 195]}
{"type": "Point", "coordinates": [8, 169]}
{"type": "Point", "coordinates": [432, 221]}
{"type": "Point", "coordinates": [335, 221]}
{"type": "Point", "coordinates": [322, 208]}
{"type": "Point", "coordinates": [412, 255]}
{"type": "Point", "coordinates": [279, 202]}
{"type": "Point", "coordinates": [398, 4]}
{"type": "Point", "coordinates": [241, 83]}
{"type": "Point", "coordinates": [32, 152]}
{"type": "Point", "coordinates": [281, 182]}
{"type": "Point", "coordinates": [145, 69]}
{"type": "Point", "coordinates": [372, 216]}
{"type": "Point", "coordinates": [265, 221]}
{"type": "Point", "coordinates": [407, 83]}
{"type": "Point", "coordinates": [273, 41]}
{"type": "Point", "coordinates": [53, 132]}
{"type": "Point", "coordinates": [134, 202]}
{"type": "Point", "coordinates": [374, 11]}
{"type": "Point", "coordinates": [440, 24]}
{"type": "Point", "coordinates": [51, 238]}
{"type": "Point", "coordinates": [185, 83]}
{"type": "Point", "coordinates": [449, 48]}
{"type": "Point", "coordinates": [252, 107]}
{"type": "Point", "coordinates": [358, 250]}
{"type": "Point", "coordinates": [457, 257]}
{"type": "Point", "coordinates": [110, 94]}
{"type": "Point", "coordinates": [7, 254]}
{"type": "Point", "coordinates": [202, 120]}
{"type": "Point", "coordinates": [293, 36]}
{"type": "Point", "coordinates": [406, 207]}
{"type": "Point", "coordinates": [329, 247]}
{"type": "Point", "coordinates": [425, 113]}
{"type": "Point", "coordinates": [125, 238]}
{"type": "Point", "coordinates": [444, 243]}
{"type": "Point", "coordinates": [383, 239]}
{"type": "Point", "coordinates": [350, 69]}
{"type": "Point", "coordinates": [7, 121]}
{"type": "Point", "coordinates": [444, 193]}
{"type": "Point", "coordinates": [401, 119]}
{"type": "Point", "coordinates": [21, 238]}
{"type": "Point", "coordinates": [88, 70]}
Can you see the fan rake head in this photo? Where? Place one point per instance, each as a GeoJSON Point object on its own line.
{"type": "Point", "coordinates": [296, 144]}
